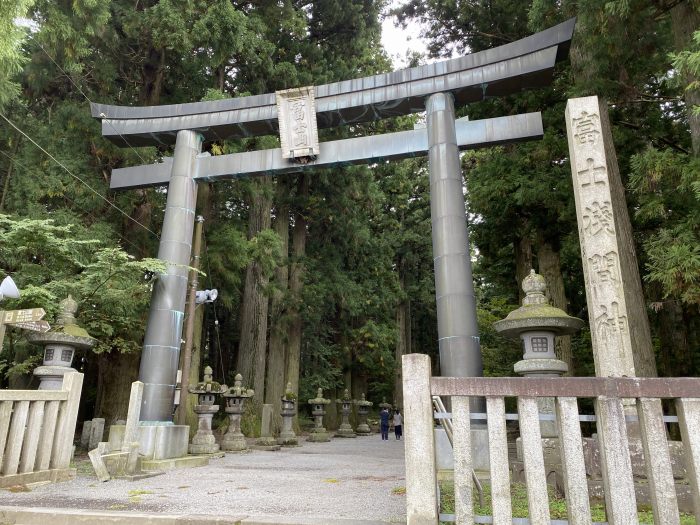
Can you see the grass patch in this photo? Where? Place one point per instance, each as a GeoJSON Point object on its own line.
{"type": "Point", "coordinates": [400, 491]}
{"type": "Point", "coordinates": [19, 488]}
{"type": "Point", "coordinates": [332, 480]}
{"type": "Point", "coordinates": [518, 498]}
{"type": "Point", "coordinates": [135, 495]}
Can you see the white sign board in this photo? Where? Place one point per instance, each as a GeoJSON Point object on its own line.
{"type": "Point", "coordinates": [296, 113]}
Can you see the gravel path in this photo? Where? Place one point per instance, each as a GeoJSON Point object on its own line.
{"type": "Point", "coordinates": [360, 479]}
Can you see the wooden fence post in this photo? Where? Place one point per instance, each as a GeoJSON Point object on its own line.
{"type": "Point", "coordinates": [421, 489]}
{"type": "Point", "coordinates": [67, 419]}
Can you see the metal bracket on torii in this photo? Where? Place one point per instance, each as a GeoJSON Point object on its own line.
{"type": "Point", "coordinates": [434, 88]}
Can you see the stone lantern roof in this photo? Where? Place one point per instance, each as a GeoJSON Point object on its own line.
{"type": "Point", "coordinates": [536, 313]}
{"type": "Point", "coordinates": [65, 330]}
{"type": "Point", "coordinates": [363, 402]}
{"type": "Point", "coordinates": [207, 385]}
{"type": "Point", "coordinates": [238, 390]}
{"type": "Point", "coordinates": [319, 400]}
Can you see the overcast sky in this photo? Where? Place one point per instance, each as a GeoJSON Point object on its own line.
{"type": "Point", "coordinates": [398, 42]}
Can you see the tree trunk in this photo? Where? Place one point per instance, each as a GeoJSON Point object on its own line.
{"type": "Point", "coordinates": [550, 268]}
{"type": "Point", "coordinates": [8, 175]}
{"type": "Point", "coordinates": [152, 76]}
{"type": "Point", "coordinates": [187, 400]}
{"type": "Point", "coordinates": [685, 20]}
{"type": "Point", "coordinates": [296, 284]}
{"type": "Point", "coordinates": [359, 383]}
{"type": "Point", "coordinates": [253, 343]}
{"type": "Point", "coordinates": [523, 263]}
{"type": "Point", "coordinates": [277, 353]}
{"type": "Point", "coordinates": [676, 356]}
{"type": "Point", "coordinates": [115, 373]}
{"type": "Point", "coordinates": [403, 344]}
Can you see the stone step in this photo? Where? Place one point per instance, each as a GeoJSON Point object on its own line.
{"type": "Point", "coordinates": [42, 516]}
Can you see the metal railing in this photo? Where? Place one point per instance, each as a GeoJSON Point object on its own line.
{"type": "Point", "coordinates": [445, 418]}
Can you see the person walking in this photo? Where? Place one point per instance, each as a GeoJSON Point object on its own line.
{"type": "Point", "coordinates": [384, 423]}
{"type": "Point", "coordinates": [398, 424]}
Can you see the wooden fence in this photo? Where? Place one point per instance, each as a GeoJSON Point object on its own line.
{"type": "Point", "coordinates": [610, 396]}
{"type": "Point", "coordinates": [36, 432]}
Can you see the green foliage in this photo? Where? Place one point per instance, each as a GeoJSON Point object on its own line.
{"type": "Point", "coordinates": [11, 56]}
{"type": "Point", "coordinates": [668, 186]}
{"type": "Point", "coordinates": [687, 62]}
{"type": "Point", "coordinates": [49, 262]}
{"type": "Point", "coordinates": [519, 505]}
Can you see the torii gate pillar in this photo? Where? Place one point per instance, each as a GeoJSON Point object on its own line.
{"type": "Point", "coordinates": [161, 344]}
{"type": "Point", "coordinates": [458, 334]}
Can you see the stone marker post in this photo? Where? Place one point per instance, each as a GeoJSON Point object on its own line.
{"type": "Point", "coordinates": [85, 436]}
{"type": "Point", "coordinates": [266, 441]}
{"type": "Point", "coordinates": [97, 429]}
{"type": "Point", "coordinates": [619, 326]}
{"type": "Point", "coordinates": [131, 432]}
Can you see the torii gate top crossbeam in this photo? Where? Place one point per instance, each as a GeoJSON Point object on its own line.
{"type": "Point", "coordinates": [523, 64]}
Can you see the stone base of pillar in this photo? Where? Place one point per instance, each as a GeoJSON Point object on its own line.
{"type": "Point", "coordinates": [288, 439]}
{"type": "Point", "coordinates": [266, 443]}
{"type": "Point", "coordinates": [163, 440]}
{"type": "Point", "coordinates": [363, 429]}
{"type": "Point", "coordinates": [203, 448]}
{"type": "Point", "coordinates": [234, 443]}
{"type": "Point", "coordinates": [345, 431]}
{"type": "Point", "coordinates": [319, 437]}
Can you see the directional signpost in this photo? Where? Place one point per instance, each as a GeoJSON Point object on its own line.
{"type": "Point", "coordinates": [34, 326]}
{"type": "Point", "coordinates": [27, 319]}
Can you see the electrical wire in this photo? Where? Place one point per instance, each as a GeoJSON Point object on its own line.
{"type": "Point", "coordinates": [78, 178]}
{"type": "Point", "coordinates": [75, 204]}
{"type": "Point", "coordinates": [216, 317]}
{"type": "Point", "coordinates": [102, 115]}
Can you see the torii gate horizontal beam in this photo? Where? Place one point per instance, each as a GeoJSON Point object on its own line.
{"type": "Point", "coordinates": [361, 150]}
{"type": "Point", "coordinates": [523, 64]}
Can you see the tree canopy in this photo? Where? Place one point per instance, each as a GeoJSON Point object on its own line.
{"type": "Point", "coordinates": [326, 279]}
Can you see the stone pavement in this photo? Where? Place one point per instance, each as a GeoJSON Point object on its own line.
{"type": "Point", "coordinates": [346, 481]}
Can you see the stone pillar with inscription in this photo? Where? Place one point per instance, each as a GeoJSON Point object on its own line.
{"type": "Point", "coordinates": [619, 326]}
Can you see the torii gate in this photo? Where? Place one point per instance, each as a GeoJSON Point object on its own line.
{"type": "Point", "coordinates": [434, 88]}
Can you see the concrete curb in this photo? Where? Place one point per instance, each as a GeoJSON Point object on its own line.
{"type": "Point", "coordinates": [41, 516]}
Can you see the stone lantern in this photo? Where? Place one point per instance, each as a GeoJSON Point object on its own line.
{"type": "Point", "coordinates": [289, 403]}
{"type": "Point", "coordinates": [60, 344]}
{"type": "Point", "coordinates": [203, 441]}
{"type": "Point", "coordinates": [345, 429]}
{"type": "Point", "coordinates": [318, 409]}
{"type": "Point", "coordinates": [386, 405]}
{"type": "Point", "coordinates": [235, 401]}
{"type": "Point", "coordinates": [363, 407]}
{"type": "Point", "coordinates": [536, 323]}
